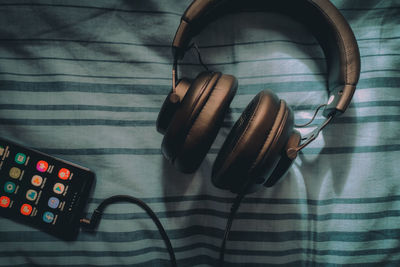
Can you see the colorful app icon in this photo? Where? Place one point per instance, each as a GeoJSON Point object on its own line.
{"type": "Point", "coordinates": [20, 158]}
{"type": "Point", "coordinates": [26, 209]}
{"type": "Point", "coordinates": [31, 195]}
{"type": "Point", "coordinates": [48, 217]}
{"type": "Point", "coordinates": [9, 187]}
{"type": "Point", "coordinates": [64, 173]}
{"type": "Point", "coordinates": [15, 172]}
{"type": "Point", "coordinates": [37, 180]}
{"type": "Point", "coordinates": [53, 202]}
{"type": "Point", "coordinates": [58, 188]}
{"type": "Point", "coordinates": [4, 201]}
{"type": "Point", "coordinates": [42, 166]}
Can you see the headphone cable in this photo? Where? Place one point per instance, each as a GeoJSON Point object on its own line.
{"type": "Point", "coordinates": [234, 208]}
{"type": "Point", "coordinates": [195, 46]}
{"type": "Point", "coordinates": [98, 212]}
{"type": "Point", "coordinates": [94, 221]}
{"type": "Point", "coordinates": [312, 119]}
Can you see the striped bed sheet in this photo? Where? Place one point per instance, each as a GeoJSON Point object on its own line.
{"type": "Point", "coordinates": [84, 81]}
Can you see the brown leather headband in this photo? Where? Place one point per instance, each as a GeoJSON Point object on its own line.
{"type": "Point", "coordinates": [320, 16]}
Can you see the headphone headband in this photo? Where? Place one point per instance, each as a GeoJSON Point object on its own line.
{"type": "Point", "coordinates": [320, 16]}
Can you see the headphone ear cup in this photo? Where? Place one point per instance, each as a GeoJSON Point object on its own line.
{"type": "Point", "coordinates": [286, 161]}
{"type": "Point", "coordinates": [252, 149]}
{"type": "Point", "coordinates": [169, 108]}
{"type": "Point", "coordinates": [196, 122]}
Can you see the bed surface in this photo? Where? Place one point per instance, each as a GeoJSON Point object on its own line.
{"type": "Point", "coordinates": [84, 81]}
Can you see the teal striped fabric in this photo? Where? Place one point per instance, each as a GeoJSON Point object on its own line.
{"type": "Point", "coordinates": [84, 81]}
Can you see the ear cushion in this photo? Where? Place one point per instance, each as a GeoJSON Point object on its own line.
{"type": "Point", "coordinates": [252, 148]}
{"type": "Point", "coordinates": [168, 108]}
{"type": "Point", "coordinates": [198, 119]}
{"type": "Point", "coordinates": [285, 162]}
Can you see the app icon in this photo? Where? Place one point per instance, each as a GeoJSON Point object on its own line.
{"type": "Point", "coordinates": [4, 201]}
{"type": "Point", "coordinates": [53, 202]}
{"type": "Point", "coordinates": [64, 173]}
{"type": "Point", "coordinates": [42, 166]}
{"type": "Point", "coordinates": [48, 217]}
{"type": "Point", "coordinates": [37, 180]}
{"type": "Point", "coordinates": [20, 158]}
{"type": "Point", "coordinates": [26, 209]}
{"type": "Point", "coordinates": [15, 172]}
{"type": "Point", "coordinates": [31, 194]}
{"type": "Point", "coordinates": [58, 188]}
{"type": "Point", "coordinates": [1, 151]}
{"type": "Point", "coordinates": [9, 187]}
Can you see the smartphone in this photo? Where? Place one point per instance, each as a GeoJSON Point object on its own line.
{"type": "Point", "coordinates": [43, 191]}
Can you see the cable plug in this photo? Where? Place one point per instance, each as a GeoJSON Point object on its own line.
{"type": "Point", "coordinates": [93, 222]}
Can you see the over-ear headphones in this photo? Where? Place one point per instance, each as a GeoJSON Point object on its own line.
{"type": "Point", "coordinates": [263, 143]}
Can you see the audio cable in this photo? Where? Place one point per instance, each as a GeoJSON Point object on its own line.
{"type": "Point", "coordinates": [94, 221]}
{"type": "Point", "coordinates": [234, 208]}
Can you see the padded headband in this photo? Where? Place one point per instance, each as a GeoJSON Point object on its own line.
{"type": "Point", "coordinates": [320, 16]}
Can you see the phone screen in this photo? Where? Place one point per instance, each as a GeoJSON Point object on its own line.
{"type": "Point", "coordinates": [43, 191]}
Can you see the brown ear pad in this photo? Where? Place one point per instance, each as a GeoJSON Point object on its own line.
{"type": "Point", "coordinates": [169, 108]}
{"type": "Point", "coordinates": [196, 122]}
{"type": "Point", "coordinates": [253, 148]}
{"type": "Point", "coordinates": [285, 162]}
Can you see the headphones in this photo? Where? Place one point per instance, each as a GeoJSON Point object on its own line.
{"type": "Point", "coordinates": [263, 143]}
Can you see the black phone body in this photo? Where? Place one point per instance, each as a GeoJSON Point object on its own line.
{"type": "Point", "coordinates": [43, 191]}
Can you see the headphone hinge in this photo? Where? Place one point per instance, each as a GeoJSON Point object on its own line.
{"type": "Point", "coordinates": [292, 152]}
